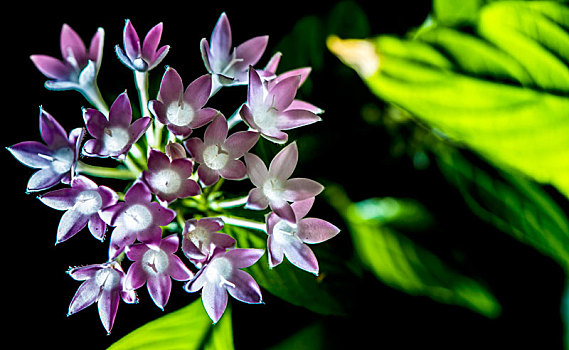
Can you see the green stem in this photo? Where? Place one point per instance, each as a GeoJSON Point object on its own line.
{"type": "Point", "coordinates": [234, 119]}
{"type": "Point", "coordinates": [229, 203]}
{"type": "Point", "coordinates": [116, 173]}
{"type": "Point", "coordinates": [242, 222]}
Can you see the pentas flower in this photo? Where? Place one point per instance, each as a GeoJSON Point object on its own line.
{"type": "Point", "coordinates": [79, 68]}
{"type": "Point", "coordinates": [273, 186]}
{"type": "Point", "coordinates": [56, 159]}
{"type": "Point", "coordinates": [143, 57]}
{"type": "Point", "coordinates": [156, 266]}
{"type": "Point", "coordinates": [136, 218]}
{"type": "Point", "coordinates": [182, 111]}
{"type": "Point", "coordinates": [113, 137]}
{"type": "Point", "coordinates": [222, 274]}
{"type": "Point", "coordinates": [289, 239]}
{"type": "Point", "coordinates": [103, 284]}
{"type": "Point", "coordinates": [218, 154]}
{"type": "Point", "coordinates": [201, 237]}
{"type": "Point", "coordinates": [82, 204]}
{"type": "Point", "coordinates": [169, 178]}
{"type": "Point", "coordinates": [228, 65]}
{"type": "Point", "coordinates": [270, 109]}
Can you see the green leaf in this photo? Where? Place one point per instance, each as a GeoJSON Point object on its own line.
{"type": "Point", "coordinates": [451, 12]}
{"type": "Point", "coordinates": [187, 328]}
{"type": "Point", "coordinates": [502, 90]}
{"type": "Point", "coordinates": [402, 264]}
{"type": "Point", "coordinates": [286, 281]}
{"type": "Point", "coordinates": [311, 337]}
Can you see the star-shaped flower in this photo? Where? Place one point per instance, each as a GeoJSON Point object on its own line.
{"type": "Point", "coordinates": [103, 284]}
{"type": "Point", "coordinates": [156, 266]}
{"type": "Point", "coordinates": [56, 159]}
{"type": "Point", "coordinates": [218, 154]}
{"type": "Point", "coordinates": [273, 186]}
{"type": "Point", "coordinates": [289, 239]}
{"type": "Point", "coordinates": [270, 109]}
{"type": "Point", "coordinates": [201, 238]}
{"type": "Point", "coordinates": [138, 217]}
{"type": "Point", "coordinates": [82, 204]}
{"type": "Point", "coordinates": [221, 275]}
{"type": "Point", "coordinates": [113, 137]}
{"type": "Point", "coordinates": [182, 111]}
{"type": "Point", "coordinates": [143, 57]}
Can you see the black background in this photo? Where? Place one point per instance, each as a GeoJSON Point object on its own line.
{"type": "Point", "coordinates": [37, 291]}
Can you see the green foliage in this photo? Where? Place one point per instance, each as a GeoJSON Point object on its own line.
{"type": "Point", "coordinates": [187, 328]}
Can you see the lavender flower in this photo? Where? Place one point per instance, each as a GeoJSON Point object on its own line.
{"type": "Point", "coordinates": [222, 274]}
{"type": "Point", "coordinates": [273, 186]}
{"type": "Point", "coordinates": [155, 266]}
{"type": "Point", "coordinates": [169, 179]}
{"type": "Point", "coordinates": [136, 218]}
{"type": "Point", "coordinates": [82, 204]}
{"type": "Point", "coordinates": [114, 136]}
{"type": "Point", "coordinates": [229, 67]}
{"type": "Point", "coordinates": [288, 239]}
{"type": "Point", "coordinates": [56, 159]}
{"type": "Point", "coordinates": [79, 68]}
{"type": "Point", "coordinates": [104, 285]}
{"type": "Point", "coordinates": [181, 111]}
{"type": "Point", "coordinates": [201, 238]}
{"type": "Point", "coordinates": [143, 57]}
{"type": "Point", "coordinates": [268, 108]}
{"type": "Point", "coordinates": [218, 154]}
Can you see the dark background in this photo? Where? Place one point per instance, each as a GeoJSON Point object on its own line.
{"type": "Point", "coordinates": [37, 291]}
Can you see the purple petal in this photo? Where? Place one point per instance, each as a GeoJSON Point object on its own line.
{"type": "Point", "coordinates": [157, 161]}
{"type": "Point", "coordinates": [177, 270]}
{"type": "Point", "coordinates": [183, 166]}
{"type": "Point", "coordinates": [283, 210]}
{"type": "Point", "coordinates": [159, 287]}
{"type": "Point", "coordinates": [175, 151]}
{"type": "Point", "coordinates": [257, 200]}
{"type": "Point", "coordinates": [255, 91]}
{"type": "Point", "coordinates": [159, 56]}
{"type": "Point", "coordinates": [108, 304]}
{"type": "Point", "coordinates": [136, 276]}
{"type": "Point", "coordinates": [313, 230]}
{"type": "Point", "coordinates": [151, 42]}
{"type": "Point", "coordinates": [138, 193]}
{"type": "Point", "coordinates": [240, 143]}
{"type": "Point", "coordinates": [189, 188]}
{"type": "Point", "coordinates": [197, 93]}
{"type": "Point", "coordinates": [250, 52]}
{"type": "Point", "coordinates": [136, 251]}
{"type": "Point", "coordinates": [246, 289]}
{"type": "Point", "coordinates": [301, 72]}
{"type": "Point", "coordinates": [86, 294]}
{"type": "Point", "coordinates": [294, 118]}
{"type": "Point", "coordinates": [138, 128]}
{"type": "Point", "coordinates": [72, 46]}
{"type": "Point", "coordinates": [221, 37]}
{"type": "Point", "coordinates": [256, 169]}
{"type": "Point", "coordinates": [207, 175]}
{"type": "Point", "coordinates": [171, 87]}
{"type": "Point", "coordinates": [284, 163]}
{"type": "Point", "coordinates": [96, 47]}
{"type": "Point", "coordinates": [120, 238]}
{"type": "Point", "coordinates": [300, 188]}
{"type": "Point", "coordinates": [97, 227]}
{"type": "Point", "coordinates": [214, 300]}
{"type": "Point", "coordinates": [275, 135]}
{"type": "Point", "coordinates": [120, 113]}
{"type": "Point", "coordinates": [301, 208]}
{"type": "Point", "coordinates": [84, 272]}
{"type": "Point", "coordinates": [71, 222]}
{"type": "Point", "coordinates": [247, 116]}
{"type": "Point", "coordinates": [52, 132]}
{"type": "Point", "coordinates": [204, 49]}
{"type": "Point", "coordinates": [302, 256]}
{"type": "Point", "coordinates": [170, 243]}
{"type": "Point", "coordinates": [276, 252]}
{"type": "Point", "coordinates": [28, 153]}
{"type": "Point", "coordinates": [298, 104]}
{"type": "Point", "coordinates": [223, 240]}
{"type": "Point", "coordinates": [271, 67]}
{"type": "Point", "coordinates": [43, 179]}
{"type": "Point", "coordinates": [51, 67]}
{"type": "Point", "coordinates": [243, 257]}
{"type": "Point", "coordinates": [131, 41]}
{"type": "Point", "coordinates": [233, 170]}
{"type": "Point", "coordinates": [216, 132]}
{"type": "Point", "coordinates": [195, 148]}
{"type": "Point", "coordinates": [203, 116]}
{"type": "Point", "coordinates": [95, 121]}
{"type": "Point", "coordinates": [62, 199]}
{"type": "Point", "coordinates": [284, 92]}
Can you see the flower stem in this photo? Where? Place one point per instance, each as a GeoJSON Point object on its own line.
{"type": "Point", "coordinates": [93, 170]}
{"type": "Point", "coordinates": [93, 95]}
{"type": "Point", "coordinates": [241, 222]}
{"type": "Point", "coordinates": [234, 119]}
{"type": "Point", "coordinates": [229, 203]}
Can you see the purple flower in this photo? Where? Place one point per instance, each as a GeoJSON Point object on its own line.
{"type": "Point", "coordinates": [273, 186]}
{"type": "Point", "coordinates": [143, 57]}
{"type": "Point", "coordinates": [79, 67]}
{"type": "Point", "coordinates": [181, 111]}
{"type": "Point", "coordinates": [222, 274]}
{"type": "Point", "coordinates": [114, 136]}
{"type": "Point", "coordinates": [136, 218]}
{"type": "Point", "coordinates": [56, 159]}
{"type": "Point", "coordinates": [169, 179]}
{"type": "Point", "coordinates": [104, 285]}
{"type": "Point", "coordinates": [155, 266]}
{"type": "Point", "coordinates": [201, 238]}
{"type": "Point", "coordinates": [288, 239]}
{"type": "Point", "coordinates": [268, 108]}
{"type": "Point", "coordinates": [229, 67]}
{"type": "Point", "coordinates": [82, 204]}
{"type": "Point", "coordinates": [218, 154]}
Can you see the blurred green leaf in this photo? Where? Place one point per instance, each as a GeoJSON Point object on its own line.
{"type": "Point", "coordinates": [512, 203]}
{"type": "Point", "coordinates": [503, 91]}
{"type": "Point", "coordinates": [187, 328]}
{"type": "Point", "coordinates": [308, 338]}
{"type": "Point", "coordinates": [451, 12]}
{"type": "Point", "coordinates": [286, 281]}
{"type": "Point", "coordinates": [403, 264]}
{"type": "Point", "coordinates": [348, 20]}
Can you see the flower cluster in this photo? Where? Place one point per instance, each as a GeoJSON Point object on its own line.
{"type": "Point", "coordinates": [174, 209]}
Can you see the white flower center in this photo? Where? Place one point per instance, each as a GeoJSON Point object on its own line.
{"type": "Point", "coordinates": [180, 114]}
{"type": "Point", "coordinates": [137, 217]}
{"type": "Point", "coordinates": [273, 188]}
{"type": "Point", "coordinates": [215, 157]}
{"type": "Point", "coordinates": [200, 237]}
{"type": "Point", "coordinates": [88, 202]}
{"type": "Point", "coordinates": [155, 262]}
{"type": "Point", "coordinates": [115, 139]}
{"type": "Point", "coordinates": [219, 271]}
{"type": "Point", "coordinates": [284, 231]}
{"type": "Point", "coordinates": [265, 119]}
{"type": "Point", "coordinates": [166, 181]}
{"type": "Point", "coordinates": [108, 278]}
{"type": "Point", "coordinates": [62, 160]}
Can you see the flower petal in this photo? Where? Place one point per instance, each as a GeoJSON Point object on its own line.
{"type": "Point", "coordinates": [151, 42]}
{"type": "Point", "coordinates": [294, 118]}
{"type": "Point", "coordinates": [195, 147]}
{"type": "Point", "coordinates": [302, 256]}
{"type": "Point", "coordinates": [43, 179]}
{"type": "Point", "coordinates": [216, 132]}
{"type": "Point", "coordinates": [214, 300]}
{"type": "Point", "coordinates": [300, 188]}
{"type": "Point", "coordinates": [108, 305]}
{"type": "Point", "coordinates": [171, 87]}
{"type": "Point", "coordinates": [30, 154]}
{"type": "Point", "coordinates": [207, 175]}
{"type": "Point", "coordinates": [95, 122]}
{"type": "Point", "coordinates": [197, 93]}
{"type": "Point", "coordinates": [86, 294]}
{"type": "Point", "coordinates": [221, 37]}
{"type": "Point", "coordinates": [276, 252]}
{"type": "Point", "coordinates": [120, 113]}
{"type": "Point", "coordinates": [284, 92]}
{"type": "Point", "coordinates": [284, 163]}
{"type": "Point", "coordinates": [250, 52]}
{"type": "Point", "coordinates": [52, 132]}
{"type": "Point", "coordinates": [256, 169]}
{"type": "Point", "coordinates": [159, 287]}
{"type": "Point", "coordinates": [244, 257]}
{"type": "Point", "coordinates": [178, 270]}
{"type": "Point", "coordinates": [51, 67]}
{"type": "Point", "coordinates": [233, 170]}
{"type": "Point", "coordinates": [131, 41]}
{"type": "Point", "coordinates": [257, 200]}
{"type": "Point", "coordinates": [71, 45]}
{"type": "Point", "coordinates": [71, 222]}
{"type": "Point", "coordinates": [283, 209]}
{"type": "Point", "coordinates": [97, 227]}
{"type": "Point", "coordinates": [313, 230]}
{"type": "Point", "coordinates": [240, 142]}
{"type": "Point", "coordinates": [246, 289]}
